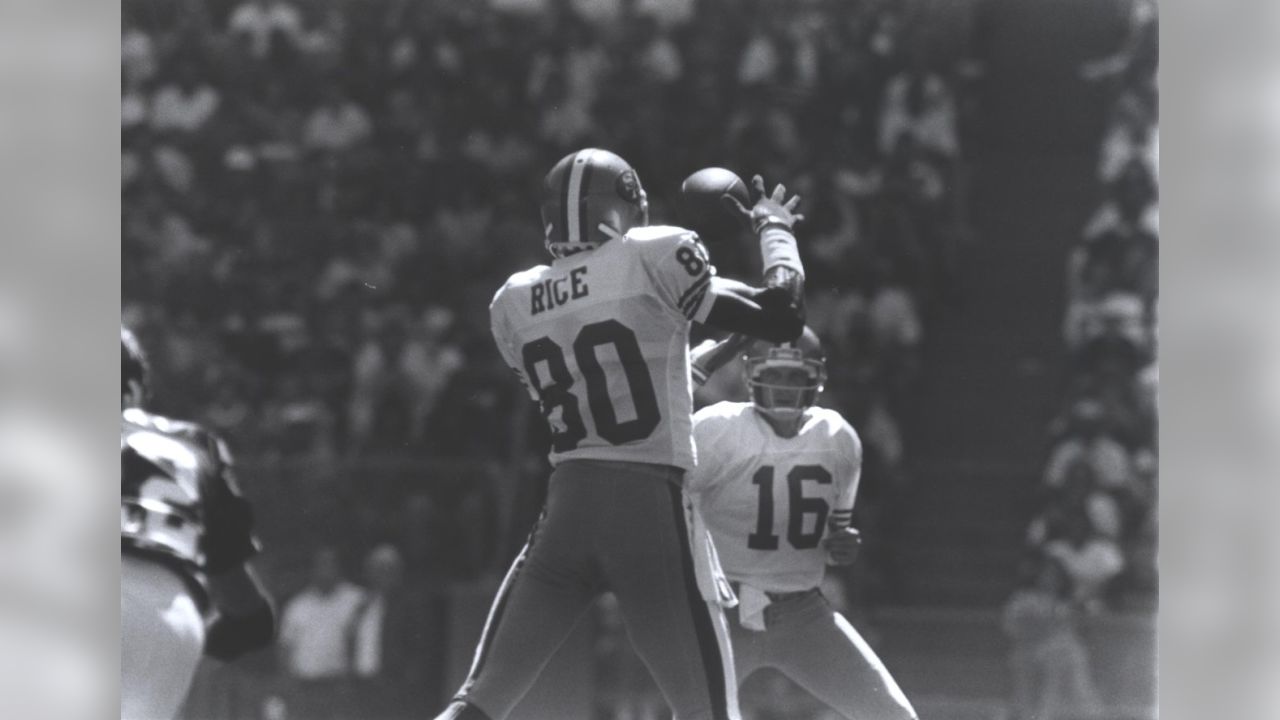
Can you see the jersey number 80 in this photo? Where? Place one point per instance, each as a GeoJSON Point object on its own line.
{"type": "Point", "coordinates": [570, 430]}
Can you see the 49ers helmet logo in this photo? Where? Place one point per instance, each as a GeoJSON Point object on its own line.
{"type": "Point", "coordinates": [628, 186]}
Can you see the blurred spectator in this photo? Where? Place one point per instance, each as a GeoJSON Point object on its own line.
{"type": "Point", "coordinates": [759, 63]}
{"type": "Point", "coordinates": [667, 12]}
{"type": "Point", "coordinates": [1141, 583]}
{"type": "Point", "coordinates": [185, 104]}
{"type": "Point", "coordinates": [896, 329]}
{"type": "Point", "coordinates": [313, 641]}
{"type": "Point", "coordinates": [1129, 209]}
{"type": "Point", "coordinates": [1134, 61]}
{"type": "Point", "coordinates": [660, 58]}
{"type": "Point", "coordinates": [264, 22]}
{"type": "Point", "coordinates": [137, 52]}
{"type": "Point", "coordinates": [135, 107]}
{"type": "Point", "coordinates": [338, 123]}
{"type": "Point", "coordinates": [388, 641]}
{"type": "Point", "coordinates": [1079, 496]}
{"type": "Point", "coordinates": [1049, 663]}
{"type": "Point", "coordinates": [1115, 347]}
{"type": "Point", "coordinates": [1131, 137]}
{"type": "Point", "coordinates": [1115, 320]}
{"type": "Point", "coordinates": [229, 412]}
{"type": "Point", "coordinates": [1146, 385]}
{"type": "Point", "coordinates": [403, 368]}
{"type": "Point", "coordinates": [1089, 442]}
{"type": "Point", "coordinates": [297, 423]}
{"type": "Point", "coordinates": [1091, 560]}
{"type": "Point", "coordinates": [1078, 499]}
{"type": "Point", "coordinates": [918, 103]}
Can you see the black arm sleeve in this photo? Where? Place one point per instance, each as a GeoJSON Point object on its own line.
{"type": "Point", "coordinates": [229, 538]}
{"type": "Point", "coordinates": [231, 636]}
{"type": "Point", "coordinates": [770, 314]}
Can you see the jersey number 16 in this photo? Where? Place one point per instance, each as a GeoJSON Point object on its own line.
{"type": "Point", "coordinates": [556, 393]}
{"type": "Point", "coordinates": [800, 506]}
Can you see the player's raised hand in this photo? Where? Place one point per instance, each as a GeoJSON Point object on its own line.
{"type": "Point", "coordinates": [766, 209]}
{"type": "Point", "coordinates": [842, 546]}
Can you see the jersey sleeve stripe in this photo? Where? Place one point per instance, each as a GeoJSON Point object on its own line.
{"type": "Point", "coordinates": [695, 303]}
{"type": "Point", "coordinates": [689, 301]}
{"type": "Point", "coordinates": [693, 289]}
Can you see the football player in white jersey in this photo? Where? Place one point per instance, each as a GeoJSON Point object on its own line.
{"type": "Point", "coordinates": [776, 482]}
{"type": "Point", "coordinates": [600, 339]}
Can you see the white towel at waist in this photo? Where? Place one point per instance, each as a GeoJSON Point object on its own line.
{"type": "Point", "coordinates": [712, 583]}
{"type": "Point", "coordinates": [751, 604]}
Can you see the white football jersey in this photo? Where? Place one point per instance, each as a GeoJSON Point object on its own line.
{"type": "Point", "coordinates": [769, 500]}
{"type": "Point", "coordinates": [601, 340]}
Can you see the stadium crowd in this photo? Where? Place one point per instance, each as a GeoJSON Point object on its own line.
{"type": "Point", "coordinates": [1091, 544]}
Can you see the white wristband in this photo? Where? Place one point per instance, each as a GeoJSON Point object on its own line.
{"type": "Point", "coordinates": [778, 247]}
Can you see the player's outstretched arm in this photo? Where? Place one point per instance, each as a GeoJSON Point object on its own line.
{"type": "Point", "coordinates": [769, 314]}
{"type": "Point", "coordinates": [775, 312]}
{"type": "Point", "coordinates": [773, 219]}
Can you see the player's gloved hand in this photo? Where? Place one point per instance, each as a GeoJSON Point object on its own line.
{"type": "Point", "coordinates": [767, 209]}
{"type": "Point", "coordinates": [842, 546]}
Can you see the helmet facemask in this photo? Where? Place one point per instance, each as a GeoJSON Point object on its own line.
{"type": "Point", "coordinates": [783, 383]}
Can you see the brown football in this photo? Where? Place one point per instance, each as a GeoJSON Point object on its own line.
{"type": "Point", "coordinates": [701, 207]}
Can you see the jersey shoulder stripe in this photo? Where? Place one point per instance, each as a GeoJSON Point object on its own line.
{"type": "Point", "coordinates": [694, 296]}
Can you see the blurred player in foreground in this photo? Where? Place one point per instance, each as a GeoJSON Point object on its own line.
{"type": "Point", "coordinates": [776, 481]}
{"type": "Point", "coordinates": [185, 535]}
{"type": "Point", "coordinates": [600, 339]}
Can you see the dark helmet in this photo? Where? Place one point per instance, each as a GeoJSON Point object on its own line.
{"type": "Point", "coordinates": [589, 197]}
{"type": "Point", "coordinates": [135, 372]}
{"type": "Point", "coordinates": [784, 380]}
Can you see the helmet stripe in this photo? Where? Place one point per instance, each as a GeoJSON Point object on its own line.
{"type": "Point", "coordinates": [584, 188]}
{"type": "Point", "coordinates": [564, 202]}
{"type": "Point", "coordinates": [573, 197]}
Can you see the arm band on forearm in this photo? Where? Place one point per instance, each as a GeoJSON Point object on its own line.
{"type": "Point", "coordinates": [778, 248]}
{"type": "Point", "coordinates": [840, 519]}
